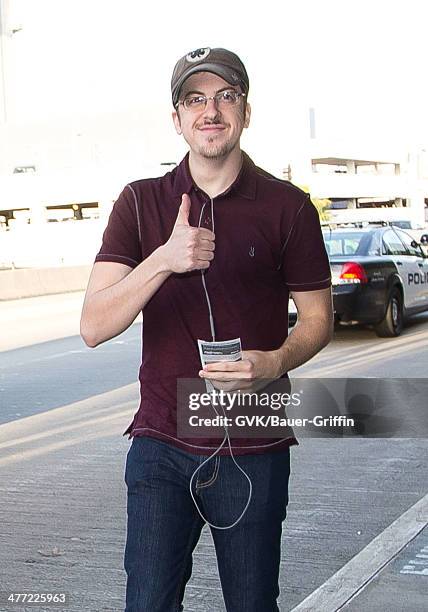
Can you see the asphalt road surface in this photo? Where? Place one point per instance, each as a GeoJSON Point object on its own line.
{"type": "Point", "coordinates": [63, 498]}
{"type": "Point", "coordinates": [46, 375]}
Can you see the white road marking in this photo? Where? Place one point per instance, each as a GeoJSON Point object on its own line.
{"type": "Point", "coordinates": [337, 355]}
{"type": "Point", "coordinates": [390, 351]}
{"type": "Point", "coordinates": [412, 570]}
{"type": "Point", "coordinates": [98, 416]}
{"type": "Point", "coordinates": [411, 566]}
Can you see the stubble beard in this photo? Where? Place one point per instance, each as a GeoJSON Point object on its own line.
{"type": "Point", "coordinates": [213, 151]}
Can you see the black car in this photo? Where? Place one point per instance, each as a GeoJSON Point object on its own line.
{"type": "Point", "coordinates": [379, 276]}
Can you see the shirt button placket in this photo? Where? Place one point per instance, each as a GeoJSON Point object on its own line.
{"type": "Point", "coordinates": [206, 218]}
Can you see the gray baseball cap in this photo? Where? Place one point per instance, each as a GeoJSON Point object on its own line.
{"type": "Point", "coordinates": [221, 62]}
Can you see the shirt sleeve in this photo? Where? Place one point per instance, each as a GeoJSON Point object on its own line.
{"type": "Point", "coordinates": [121, 241]}
{"type": "Point", "coordinates": [305, 265]}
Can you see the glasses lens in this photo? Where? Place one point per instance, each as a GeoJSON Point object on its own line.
{"type": "Point", "coordinates": [194, 102]}
{"type": "Point", "coordinates": [228, 98]}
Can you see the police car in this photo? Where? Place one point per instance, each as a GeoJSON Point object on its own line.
{"type": "Point", "coordinates": [379, 275]}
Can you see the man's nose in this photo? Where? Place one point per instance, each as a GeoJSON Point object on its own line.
{"type": "Point", "coordinates": [211, 108]}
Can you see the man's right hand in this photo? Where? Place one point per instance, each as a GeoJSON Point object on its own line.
{"type": "Point", "coordinates": [188, 248]}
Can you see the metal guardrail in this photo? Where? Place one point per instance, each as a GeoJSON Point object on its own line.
{"type": "Point", "coordinates": [361, 224]}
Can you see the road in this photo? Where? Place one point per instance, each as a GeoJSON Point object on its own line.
{"type": "Point", "coordinates": [64, 408]}
{"type": "Point", "coordinates": [62, 370]}
{"type": "Point", "coordinates": [45, 364]}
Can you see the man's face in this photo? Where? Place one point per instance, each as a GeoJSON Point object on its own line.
{"type": "Point", "coordinates": [212, 132]}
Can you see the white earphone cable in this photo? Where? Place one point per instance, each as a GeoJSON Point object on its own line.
{"type": "Point", "coordinates": [212, 390]}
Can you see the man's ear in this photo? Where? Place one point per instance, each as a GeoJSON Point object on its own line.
{"type": "Point", "coordinates": [177, 122]}
{"type": "Point", "coordinates": [247, 115]}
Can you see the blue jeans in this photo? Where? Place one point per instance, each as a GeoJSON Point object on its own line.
{"type": "Point", "coordinates": [164, 525]}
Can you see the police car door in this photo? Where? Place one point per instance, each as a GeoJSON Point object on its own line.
{"type": "Point", "coordinates": [405, 264]}
{"type": "Point", "coordinates": [419, 275]}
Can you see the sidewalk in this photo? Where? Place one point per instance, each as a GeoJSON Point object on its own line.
{"type": "Point", "coordinates": [39, 319]}
{"type": "Point", "coordinates": [63, 510]}
{"type": "Point", "coordinates": [32, 320]}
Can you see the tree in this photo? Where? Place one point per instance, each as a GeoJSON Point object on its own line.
{"type": "Point", "coordinates": [322, 205]}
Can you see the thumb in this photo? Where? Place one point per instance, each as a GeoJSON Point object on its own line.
{"type": "Point", "coordinates": [183, 211]}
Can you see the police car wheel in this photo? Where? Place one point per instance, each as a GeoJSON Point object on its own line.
{"type": "Point", "coordinates": [392, 324]}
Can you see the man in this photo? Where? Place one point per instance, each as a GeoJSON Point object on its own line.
{"type": "Point", "coordinates": [209, 251]}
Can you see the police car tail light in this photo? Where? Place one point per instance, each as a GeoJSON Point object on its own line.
{"type": "Point", "coordinates": [352, 273]}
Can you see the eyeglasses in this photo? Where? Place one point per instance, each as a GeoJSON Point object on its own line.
{"type": "Point", "coordinates": [224, 99]}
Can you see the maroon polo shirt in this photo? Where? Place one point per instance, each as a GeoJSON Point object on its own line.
{"type": "Point", "coordinates": [268, 242]}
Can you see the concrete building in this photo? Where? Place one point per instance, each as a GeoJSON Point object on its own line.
{"type": "Point", "coordinates": [363, 184]}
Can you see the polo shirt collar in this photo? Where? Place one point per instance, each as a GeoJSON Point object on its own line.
{"type": "Point", "coordinates": [245, 183]}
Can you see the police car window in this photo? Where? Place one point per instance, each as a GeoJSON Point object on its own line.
{"type": "Point", "coordinates": [393, 244]}
{"type": "Point", "coordinates": [344, 243]}
{"type": "Point", "coordinates": [374, 246]}
{"type": "Point", "coordinates": [408, 243]}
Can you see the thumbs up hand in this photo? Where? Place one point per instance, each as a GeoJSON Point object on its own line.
{"type": "Point", "coordinates": [183, 211]}
{"type": "Point", "coordinates": [188, 248]}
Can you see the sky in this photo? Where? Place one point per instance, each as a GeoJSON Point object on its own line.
{"type": "Point", "coordinates": [360, 65]}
